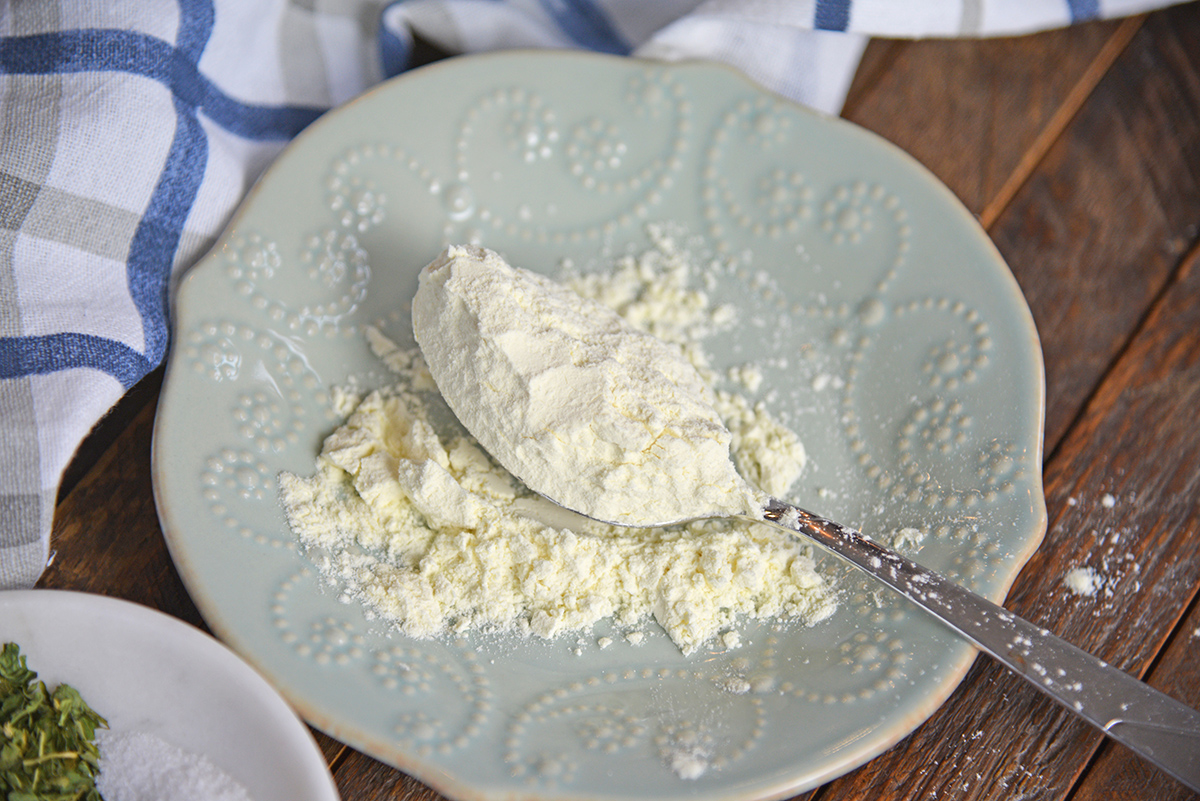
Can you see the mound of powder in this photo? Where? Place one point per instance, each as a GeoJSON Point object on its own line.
{"type": "Point", "coordinates": [408, 515]}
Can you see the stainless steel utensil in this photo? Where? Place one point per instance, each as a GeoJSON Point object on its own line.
{"type": "Point", "coordinates": [1154, 725]}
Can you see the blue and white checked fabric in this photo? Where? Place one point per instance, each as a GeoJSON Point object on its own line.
{"type": "Point", "coordinates": [131, 129]}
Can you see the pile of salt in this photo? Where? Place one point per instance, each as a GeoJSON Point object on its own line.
{"type": "Point", "coordinates": [137, 766]}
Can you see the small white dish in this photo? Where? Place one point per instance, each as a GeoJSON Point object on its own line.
{"type": "Point", "coordinates": [146, 671]}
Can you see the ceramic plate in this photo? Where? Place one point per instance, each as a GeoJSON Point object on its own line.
{"type": "Point", "coordinates": [148, 672]}
{"type": "Point", "coordinates": [892, 337]}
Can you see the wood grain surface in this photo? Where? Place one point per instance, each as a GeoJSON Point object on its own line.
{"type": "Point", "coordinates": [1079, 150]}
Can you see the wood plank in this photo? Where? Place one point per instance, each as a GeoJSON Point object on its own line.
{"type": "Point", "coordinates": [997, 738]}
{"type": "Point", "coordinates": [1095, 233]}
{"type": "Point", "coordinates": [969, 110]}
{"type": "Point", "coordinates": [106, 538]}
{"type": "Point", "coordinates": [1117, 773]}
{"type": "Point", "coordinates": [361, 778]}
{"type": "Point", "coordinates": [107, 429]}
{"type": "Point", "coordinates": [1053, 128]}
{"type": "Point", "coordinates": [878, 60]}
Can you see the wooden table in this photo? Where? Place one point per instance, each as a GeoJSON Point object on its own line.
{"type": "Point", "coordinates": [1079, 150]}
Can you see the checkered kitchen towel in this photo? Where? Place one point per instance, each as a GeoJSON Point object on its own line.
{"type": "Point", "coordinates": [130, 130]}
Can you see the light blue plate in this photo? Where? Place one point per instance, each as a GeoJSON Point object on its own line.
{"type": "Point", "coordinates": [908, 363]}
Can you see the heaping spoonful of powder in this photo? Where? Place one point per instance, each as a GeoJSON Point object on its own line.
{"type": "Point", "coordinates": [611, 423]}
{"type": "Point", "coordinates": [587, 410]}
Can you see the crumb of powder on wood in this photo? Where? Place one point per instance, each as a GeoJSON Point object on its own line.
{"type": "Point", "coordinates": [1083, 581]}
{"type": "Point", "coordinates": [1108, 501]}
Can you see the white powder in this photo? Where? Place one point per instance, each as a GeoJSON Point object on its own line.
{"type": "Point", "coordinates": [748, 375]}
{"type": "Point", "coordinates": [767, 453]}
{"type": "Point", "coordinates": [736, 685]}
{"type": "Point", "coordinates": [823, 381]}
{"type": "Point", "coordinates": [907, 539]}
{"type": "Point", "coordinates": [590, 411]}
{"type": "Point", "coordinates": [137, 766]}
{"type": "Point", "coordinates": [1083, 581]}
{"type": "Point", "coordinates": [409, 516]}
{"type": "Point", "coordinates": [653, 292]}
{"type": "Point", "coordinates": [688, 763]}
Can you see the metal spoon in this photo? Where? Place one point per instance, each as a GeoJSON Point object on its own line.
{"type": "Point", "coordinates": [1154, 725]}
{"type": "Point", "coordinates": [447, 322]}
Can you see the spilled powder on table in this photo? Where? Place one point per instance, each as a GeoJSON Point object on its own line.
{"type": "Point", "coordinates": [1083, 581]}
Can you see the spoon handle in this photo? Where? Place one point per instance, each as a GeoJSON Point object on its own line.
{"type": "Point", "coordinates": [1154, 725]}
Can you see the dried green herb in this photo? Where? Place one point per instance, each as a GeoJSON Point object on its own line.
{"type": "Point", "coordinates": [47, 740]}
